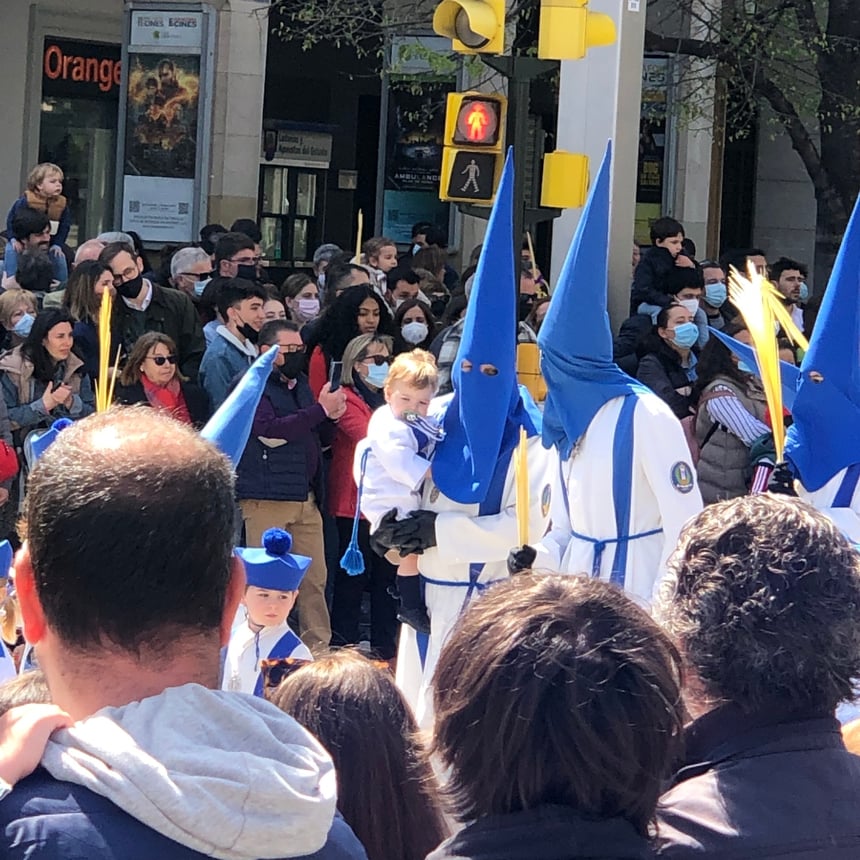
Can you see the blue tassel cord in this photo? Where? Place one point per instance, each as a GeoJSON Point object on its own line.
{"type": "Point", "coordinates": [352, 561]}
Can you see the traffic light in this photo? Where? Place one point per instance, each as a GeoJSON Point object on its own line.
{"type": "Point", "coordinates": [567, 30]}
{"type": "Point", "coordinates": [474, 142]}
{"type": "Point", "coordinates": [473, 26]}
{"type": "Point", "coordinates": [565, 180]}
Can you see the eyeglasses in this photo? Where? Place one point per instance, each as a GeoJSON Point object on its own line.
{"type": "Point", "coordinates": [378, 360]}
{"type": "Point", "coordinates": [161, 360]}
{"type": "Point", "coordinates": [125, 275]}
{"type": "Point", "coordinates": [292, 349]}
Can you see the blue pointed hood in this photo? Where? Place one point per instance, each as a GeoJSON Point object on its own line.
{"type": "Point", "coordinates": [230, 426]}
{"type": "Point", "coordinates": [823, 439]}
{"type": "Point", "coordinates": [485, 413]}
{"type": "Point", "coordinates": [789, 375]}
{"type": "Point", "coordinates": [575, 338]}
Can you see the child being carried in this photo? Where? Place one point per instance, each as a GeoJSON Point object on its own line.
{"type": "Point", "coordinates": [396, 453]}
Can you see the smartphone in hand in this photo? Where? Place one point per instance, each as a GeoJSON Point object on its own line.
{"type": "Point", "coordinates": [334, 375]}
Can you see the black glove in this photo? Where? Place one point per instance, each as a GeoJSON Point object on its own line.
{"type": "Point", "coordinates": [782, 481]}
{"type": "Point", "coordinates": [408, 536]}
{"type": "Point", "coordinates": [521, 559]}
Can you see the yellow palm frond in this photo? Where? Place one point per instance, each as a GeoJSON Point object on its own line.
{"type": "Point", "coordinates": [750, 296]}
{"type": "Point", "coordinates": [783, 317]}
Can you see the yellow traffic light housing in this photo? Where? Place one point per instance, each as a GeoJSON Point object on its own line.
{"type": "Point", "coordinates": [473, 26]}
{"type": "Point", "coordinates": [565, 180]}
{"type": "Point", "coordinates": [567, 30]}
{"type": "Point", "coordinates": [474, 142]}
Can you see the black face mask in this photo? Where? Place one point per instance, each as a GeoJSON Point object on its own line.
{"type": "Point", "coordinates": [131, 289]}
{"type": "Point", "coordinates": [294, 364]}
{"type": "Point", "coordinates": [246, 272]}
{"type": "Point", "coordinates": [248, 332]}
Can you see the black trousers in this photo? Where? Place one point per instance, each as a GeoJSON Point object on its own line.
{"type": "Point", "coordinates": [348, 591]}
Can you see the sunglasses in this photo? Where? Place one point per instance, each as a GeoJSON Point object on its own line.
{"type": "Point", "coordinates": [378, 360]}
{"type": "Point", "coordinates": [292, 350]}
{"type": "Point", "coordinates": [161, 360]}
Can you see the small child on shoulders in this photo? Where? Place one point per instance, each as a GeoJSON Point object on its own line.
{"type": "Point", "coordinates": [399, 444]}
{"type": "Point", "coordinates": [273, 578]}
{"type": "Point", "coordinates": [44, 194]}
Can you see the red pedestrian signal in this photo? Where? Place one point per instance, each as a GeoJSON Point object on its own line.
{"type": "Point", "coordinates": [478, 122]}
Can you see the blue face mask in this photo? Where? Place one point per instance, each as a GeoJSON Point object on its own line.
{"type": "Point", "coordinates": [199, 286]}
{"type": "Point", "coordinates": [804, 292]}
{"type": "Point", "coordinates": [743, 367]}
{"type": "Point", "coordinates": [377, 374]}
{"type": "Point", "coordinates": [716, 295]}
{"type": "Point", "coordinates": [686, 335]}
{"type": "Point", "coordinates": [23, 326]}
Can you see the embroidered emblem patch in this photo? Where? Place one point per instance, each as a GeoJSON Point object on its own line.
{"type": "Point", "coordinates": [434, 494]}
{"type": "Point", "coordinates": [545, 499]}
{"type": "Point", "coordinates": [682, 477]}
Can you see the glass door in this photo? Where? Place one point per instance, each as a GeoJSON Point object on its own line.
{"type": "Point", "coordinates": [292, 213]}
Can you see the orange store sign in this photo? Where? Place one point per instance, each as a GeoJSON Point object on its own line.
{"type": "Point", "coordinates": [71, 68]}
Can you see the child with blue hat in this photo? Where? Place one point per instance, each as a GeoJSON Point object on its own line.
{"type": "Point", "coordinates": [273, 577]}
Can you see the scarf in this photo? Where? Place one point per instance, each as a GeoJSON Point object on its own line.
{"type": "Point", "coordinates": [168, 398]}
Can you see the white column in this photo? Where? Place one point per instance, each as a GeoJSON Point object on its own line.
{"type": "Point", "coordinates": [240, 77]}
{"type": "Point", "coordinates": [600, 99]}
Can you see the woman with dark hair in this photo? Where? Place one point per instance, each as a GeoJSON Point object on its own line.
{"type": "Point", "coordinates": [302, 298]}
{"type": "Point", "coordinates": [558, 716]}
{"type": "Point", "coordinates": [357, 310]}
{"type": "Point", "coordinates": [42, 379]}
{"type": "Point", "coordinates": [83, 296]}
{"type": "Point", "coordinates": [730, 417]}
{"type": "Point", "coordinates": [414, 325]}
{"type": "Point", "coordinates": [668, 363]}
{"type": "Point", "coordinates": [152, 376]}
{"type": "Point", "coordinates": [386, 788]}
{"type": "Point", "coordinates": [365, 367]}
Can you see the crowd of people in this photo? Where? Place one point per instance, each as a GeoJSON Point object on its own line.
{"type": "Point", "coordinates": [588, 635]}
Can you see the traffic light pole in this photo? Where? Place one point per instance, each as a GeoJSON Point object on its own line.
{"type": "Point", "coordinates": [520, 72]}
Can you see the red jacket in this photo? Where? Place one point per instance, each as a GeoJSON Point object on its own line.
{"type": "Point", "coordinates": [317, 370]}
{"type": "Point", "coordinates": [351, 429]}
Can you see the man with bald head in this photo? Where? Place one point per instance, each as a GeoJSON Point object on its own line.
{"type": "Point", "coordinates": [128, 585]}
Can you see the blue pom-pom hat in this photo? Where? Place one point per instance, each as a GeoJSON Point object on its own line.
{"type": "Point", "coordinates": [272, 566]}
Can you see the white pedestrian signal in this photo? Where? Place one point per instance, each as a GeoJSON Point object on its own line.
{"type": "Point", "coordinates": [472, 175]}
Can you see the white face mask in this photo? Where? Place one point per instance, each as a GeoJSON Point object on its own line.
{"type": "Point", "coordinates": [414, 332]}
{"type": "Point", "coordinates": [692, 305]}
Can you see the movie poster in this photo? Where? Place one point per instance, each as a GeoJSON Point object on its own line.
{"type": "Point", "coordinates": [161, 119]}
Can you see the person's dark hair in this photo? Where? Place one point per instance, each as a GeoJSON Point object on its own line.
{"type": "Point", "coordinates": [340, 323]}
{"type": "Point", "coordinates": [785, 264]}
{"type": "Point", "coordinates": [131, 372]}
{"type": "Point", "coordinates": [294, 284]}
{"type": "Point", "coordinates": [268, 334]}
{"type": "Point", "coordinates": [80, 295]}
{"type": "Point", "coordinates": [401, 273]}
{"type": "Point", "coordinates": [35, 271]}
{"type": "Point", "coordinates": [663, 228]}
{"type": "Point", "coordinates": [762, 597]}
{"type": "Point", "coordinates": [33, 350]}
{"type": "Point", "coordinates": [401, 345]}
{"type": "Point", "coordinates": [209, 235]}
{"type": "Point", "coordinates": [436, 237]}
{"type": "Point", "coordinates": [716, 360]}
{"type": "Point", "coordinates": [557, 690]}
{"type": "Point", "coordinates": [421, 227]}
{"type": "Point", "coordinates": [31, 688]}
{"type": "Point", "coordinates": [663, 316]}
{"type": "Point", "coordinates": [433, 259]}
{"type": "Point", "coordinates": [247, 227]}
{"type": "Point", "coordinates": [230, 244]}
{"type": "Point", "coordinates": [357, 713]}
{"type": "Point", "coordinates": [91, 510]}
{"type": "Point", "coordinates": [456, 305]}
{"type": "Point", "coordinates": [337, 274]}
{"type": "Point", "coordinates": [166, 64]}
{"type": "Point", "coordinates": [27, 221]}
{"type": "Point", "coordinates": [141, 252]}
{"type": "Point", "coordinates": [113, 249]}
{"type": "Point", "coordinates": [755, 252]}
{"type": "Point", "coordinates": [233, 291]}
